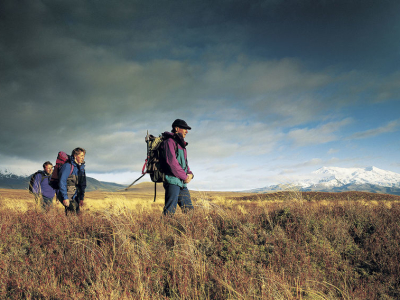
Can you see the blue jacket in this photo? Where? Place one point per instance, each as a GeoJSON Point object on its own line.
{"type": "Point", "coordinates": [41, 185]}
{"type": "Point", "coordinates": [72, 185]}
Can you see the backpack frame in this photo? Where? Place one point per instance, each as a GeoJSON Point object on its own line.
{"type": "Point", "coordinates": [154, 164]}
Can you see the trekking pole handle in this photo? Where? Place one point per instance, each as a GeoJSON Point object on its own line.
{"type": "Point", "coordinates": [144, 167]}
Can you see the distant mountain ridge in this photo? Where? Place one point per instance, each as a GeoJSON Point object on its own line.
{"type": "Point", "coordinates": [9, 180]}
{"type": "Point", "coordinates": [335, 179]}
{"type": "Point", "coordinates": [325, 179]}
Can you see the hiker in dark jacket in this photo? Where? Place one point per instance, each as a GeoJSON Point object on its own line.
{"type": "Point", "coordinates": [41, 187]}
{"type": "Point", "coordinates": [72, 183]}
{"type": "Point", "coordinates": [177, 171]}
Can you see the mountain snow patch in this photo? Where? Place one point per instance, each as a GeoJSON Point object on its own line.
{"type": "Point", "coordinates": [336, 177]}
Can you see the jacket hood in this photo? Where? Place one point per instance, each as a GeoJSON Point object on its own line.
{"type": "Point", "coordinates": [177, 137]}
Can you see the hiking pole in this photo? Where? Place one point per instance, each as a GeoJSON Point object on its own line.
{"type": "Point", "coordinates": [143, 173]}
{"type": "Point", "coordinates": [145, 163]}
{"type": "Point", "coordinates": [134, 182]}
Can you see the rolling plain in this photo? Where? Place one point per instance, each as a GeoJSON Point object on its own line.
{"type": "Point", "coordinates": [284, 245]}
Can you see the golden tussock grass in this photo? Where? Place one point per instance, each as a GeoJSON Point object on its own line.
{"type": "Point", "coordinates": [284, 245]}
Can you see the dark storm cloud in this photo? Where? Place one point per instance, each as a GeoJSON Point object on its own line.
{"type": "Point", "coordinates": [324, 30]}
{"type": "Point", "coordinates": [343, 32]}
{"type": "Point", "coordinates": [89, 73]}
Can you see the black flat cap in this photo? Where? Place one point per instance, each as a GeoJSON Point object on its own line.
{"type": "Point", "coordinates": [181, 124]}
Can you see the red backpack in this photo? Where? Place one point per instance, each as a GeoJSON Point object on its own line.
{"type": "Point", "coordinates": [62, 158]}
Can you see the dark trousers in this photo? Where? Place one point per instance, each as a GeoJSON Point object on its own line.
{"type": "Point", "coordinates": [44, 202]}
{"type": "Point", "coordinates": [73, 207]}
{"type": "Point", "coordinates": [175, 195]}
{"type": "Point", "coordinates": [47, 202]}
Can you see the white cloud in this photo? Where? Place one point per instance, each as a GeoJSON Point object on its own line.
{"type": "Point", "coordinates": [19, 166]}
{"type": "Point", "coordinates": [319, 135]}
{"type": "Point", "coordinates": [119, 177]}
{"type": "Point", "coordinates": [312, 162]}
{"type": "Point", "coordinates": [217, 168]}
{"type": "Point", "coordinates": [332, 151]}
{"type": "Point", "coordinates": [389, 127]}
{"type": "Point", "coordinates": [219, 139]}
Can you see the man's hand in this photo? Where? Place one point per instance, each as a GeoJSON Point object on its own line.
{"type": "Point", "coordinates": [188, 178]}
{"type": "Point", "coordinates": [66, 202]}
{"type": "Point", "coordinates": [80, 203]}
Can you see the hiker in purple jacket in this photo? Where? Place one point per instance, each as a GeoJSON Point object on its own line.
{"type": "Point", "coordinates": [177, 171]}
{"type": "Point", "coordinates": [41, 186]}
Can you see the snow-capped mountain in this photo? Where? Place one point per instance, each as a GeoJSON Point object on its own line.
{"type": "Point", "coordinates": [10, 172]}
{"type": "Point", "coordinates": [335, 179]}
{"type": "Point", "coordinates": [9, 180]}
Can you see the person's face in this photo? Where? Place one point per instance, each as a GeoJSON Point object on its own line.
{"type": "Point", "coordinates": [48, 169]}
{"type": "Point", "coordinates": [182, 131]}
{"type": "Point", "coordinates": [79, 158]}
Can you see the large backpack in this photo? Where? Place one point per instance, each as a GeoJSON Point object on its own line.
{"type": "Point", "coordinates": [32, 180]}
{"type": "Point", "coordinates": [154, 163]}
{"type": "Point", "coordinates": [62, 158]}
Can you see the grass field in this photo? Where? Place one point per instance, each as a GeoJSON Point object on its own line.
{"type": "Point", "coordinates": [286, 245]}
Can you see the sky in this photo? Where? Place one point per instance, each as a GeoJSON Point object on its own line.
{"type": "Point", "coordinates": [272, 89]}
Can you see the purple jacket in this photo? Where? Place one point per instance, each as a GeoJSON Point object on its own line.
{"type": "Point", "coordinates": [177, 168]}
{"type": "Point", "coordinates": [41, 185]}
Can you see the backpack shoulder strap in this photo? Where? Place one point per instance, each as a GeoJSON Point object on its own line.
{"type": "Point", "coordinates": [33, 176]}
{"type": "Point", "coordinates": [176, 148]}
{"type": "Point", "coordinates": [176, 144]}
{"type": "Point", "coordinates": [72, 169]}
{"type": "Point", "coordinates": [43, 176]}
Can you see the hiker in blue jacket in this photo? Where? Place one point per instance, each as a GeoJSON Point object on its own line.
{"type": "Point", "coordinates": [177, 171]}
{"type": "Point", "coordinates": [72, 182]}
{"type": "Point", "coordinates": [41, 186]}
